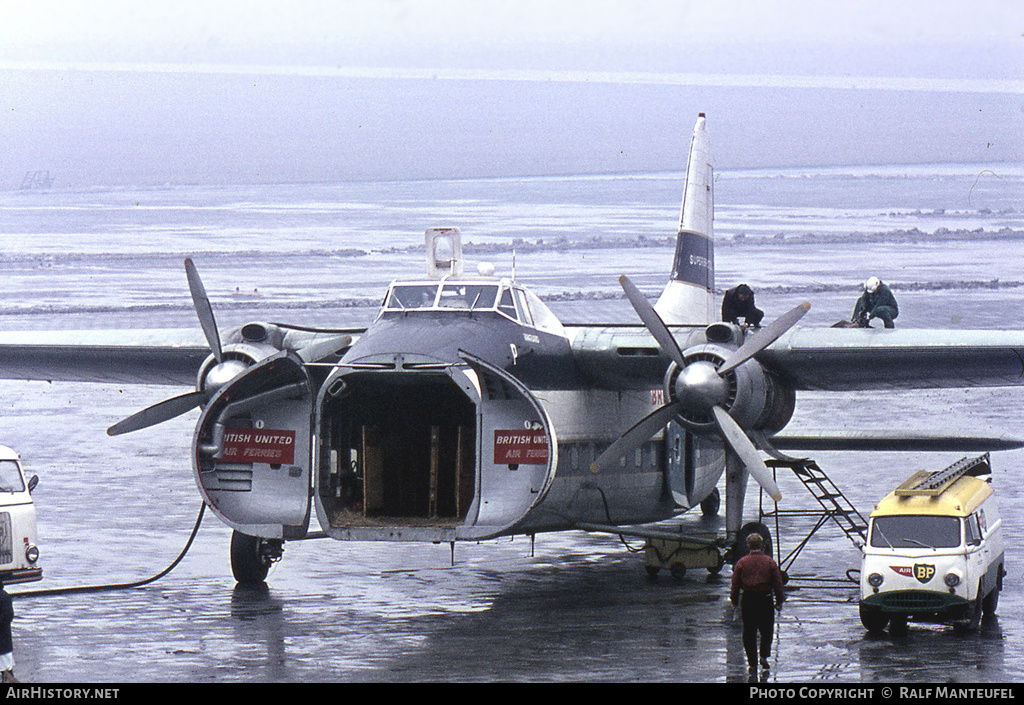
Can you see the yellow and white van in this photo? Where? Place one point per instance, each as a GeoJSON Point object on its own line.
{"type": "Point", "coordinates": [934, 550]}
{"type": "Point", "coordinates": [19, 552]}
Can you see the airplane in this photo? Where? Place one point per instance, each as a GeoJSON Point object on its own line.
{"type": "Point", "coordinates": [467, 411]}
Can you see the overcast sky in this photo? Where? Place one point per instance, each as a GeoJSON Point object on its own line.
{"type": "Point", "coordinates": [120, 91]}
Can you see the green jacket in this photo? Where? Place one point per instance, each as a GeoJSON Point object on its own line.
{"type": "Point", "coordinates": [868, 302]}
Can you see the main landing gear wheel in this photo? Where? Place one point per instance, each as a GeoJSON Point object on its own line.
{"type": "Point", "coordinates": [739, 549]}
{"type": "Point", "coordinates": [252, 556]}
{"type": "Point", "coordinates": [710, 504]}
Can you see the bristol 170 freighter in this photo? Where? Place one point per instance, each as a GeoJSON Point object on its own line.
{"type": "Point", "coordinates": [466, 410]}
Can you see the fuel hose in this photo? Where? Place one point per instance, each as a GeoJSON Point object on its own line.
{"type": "Point", "coordinates": [117, 586]}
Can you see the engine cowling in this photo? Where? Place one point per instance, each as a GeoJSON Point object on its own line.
{"type": "Point", "coordinates": [753, 396]}
{"type": "Point", "coordinates": [235, 359]}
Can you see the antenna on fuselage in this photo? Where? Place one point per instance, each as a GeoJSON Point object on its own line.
{"type": "Point", "coordinates": [444, 252]}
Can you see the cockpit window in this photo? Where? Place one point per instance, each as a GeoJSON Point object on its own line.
{"type": "Point", "coordinates": [10, 477]}
{"type": "Point", "coordinates": [506, 304]}
{"type": "Point", "coordinates": [524, 310]}
{"type": "Point", "coordinates": [474, 296]}
{"type": "Point", "coordinates": [542, 316]}
{"type": "Point", "coordinates": [412, 296]}
{"type": "Point", "coordinates": [518, 304]}
{"type": "Point", "coordinates": [913, 531]}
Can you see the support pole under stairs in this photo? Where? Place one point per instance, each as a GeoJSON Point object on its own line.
{"type": "Point", "coordinates": [834, 504]}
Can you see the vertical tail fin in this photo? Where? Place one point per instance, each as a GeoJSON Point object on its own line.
{"type": "Point", "coordinates": [689, 296]}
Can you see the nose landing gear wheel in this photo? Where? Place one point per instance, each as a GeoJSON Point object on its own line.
{"type": "Point", "coordinates": [252, 556]}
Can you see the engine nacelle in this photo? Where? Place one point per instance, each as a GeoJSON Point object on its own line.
{"type": "Point", "coordinates": [752, 395]}
{"type": "Point", "coordinates": [258, 333]}
{"type": "Point", "coordinates": [236, 359]}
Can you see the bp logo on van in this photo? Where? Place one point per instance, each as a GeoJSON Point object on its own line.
{"type": "Point", "coordinates": [923, 572]}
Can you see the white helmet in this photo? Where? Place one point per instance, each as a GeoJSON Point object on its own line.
{"type": "Point", "coordinates": [872, 284]}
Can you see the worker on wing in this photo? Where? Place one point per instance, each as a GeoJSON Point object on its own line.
{"type": "Point", "coordinates": [737, 303]}
{"type": "Point", "coordinates": [877, 301]}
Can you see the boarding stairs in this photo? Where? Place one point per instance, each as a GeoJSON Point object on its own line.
{"type": "Point", "coordinates": [834, 505]}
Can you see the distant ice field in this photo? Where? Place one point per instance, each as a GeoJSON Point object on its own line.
{"type": "Point", "coordinates": [98, 254]}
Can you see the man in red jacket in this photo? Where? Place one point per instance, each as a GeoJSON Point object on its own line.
{"type": "Point", "coordinates": [759, 579]}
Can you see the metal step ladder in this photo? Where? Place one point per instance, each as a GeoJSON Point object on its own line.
{"type": "Point", "coordinates": [834, 505]}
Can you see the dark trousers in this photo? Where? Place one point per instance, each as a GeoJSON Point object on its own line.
{"type": "Point", "coordinates": [758, 612]}
{"type": "Point", "coordinates": [886, 313]}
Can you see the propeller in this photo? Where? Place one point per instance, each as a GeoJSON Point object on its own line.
{"type": "Point", "coordinates": [220, 373]}
{"type": "Point", "coordinates": [701, 386]}
{"type": "Point", "coordinates": [204, 310]}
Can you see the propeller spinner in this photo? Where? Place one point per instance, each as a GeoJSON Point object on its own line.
{"type": "Point", "coordinates": [701, 388]}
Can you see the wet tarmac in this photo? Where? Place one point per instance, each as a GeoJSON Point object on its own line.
{"type": "Point", "coordinates": [564, 607]}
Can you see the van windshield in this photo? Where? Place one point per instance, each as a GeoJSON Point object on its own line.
{"type": "Point", "coordinates": [915, 532]}
{"type": "Point", "coordinates": [10, 477]}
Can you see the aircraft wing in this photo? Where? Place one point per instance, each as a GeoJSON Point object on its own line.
{"type": "Point", "coordinates": [843, 359]}
{"type": "Point", "coordinates": [830, 359]}
{"type": "Point", "coordinates": [165, 356]}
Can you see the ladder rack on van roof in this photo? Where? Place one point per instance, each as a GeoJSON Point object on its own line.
{"type": "Point", "coordinates": [924, 483]}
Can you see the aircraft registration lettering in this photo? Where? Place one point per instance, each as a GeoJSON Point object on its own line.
{"type": "Point", "coordinates": [250, 445]}
{"type": "Point", "coordinates": [520, 447]}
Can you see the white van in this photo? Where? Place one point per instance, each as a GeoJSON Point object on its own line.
{"type": "Point", "coordinates": [19, 552]}
{"type": "Point", "coordinates": [934, 550]}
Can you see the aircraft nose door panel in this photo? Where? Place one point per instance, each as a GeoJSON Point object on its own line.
{"type": "Point", "coordinates": [251, 449]}
{"type": "Point", "coordinates": [519, 449]}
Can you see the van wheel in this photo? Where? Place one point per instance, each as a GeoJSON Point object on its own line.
{"type": "Point", "coordinates": [873, 619]}
{"type": "Point", "coordinates": [991, 601]}
{"type": "Point", "coordinates": [252, 556]}
{"type": "Point", "coordinates": [973, 621]}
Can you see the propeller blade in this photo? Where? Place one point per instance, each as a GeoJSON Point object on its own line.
{"type": "Point", "coordinates": [765, 337]}
{"type": "Point", "coordinates": [652, 321]}
{"type": "Point", "coordinates": [163, 411]}
{"type": "Point", "coordinates": [320, 349]}
{"type": "Point", "coordinates": [632, 439]}
{"type": "Point", "coordinates": [203, 309]}
{"type": "Point", "coordinates": [745, 450]}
